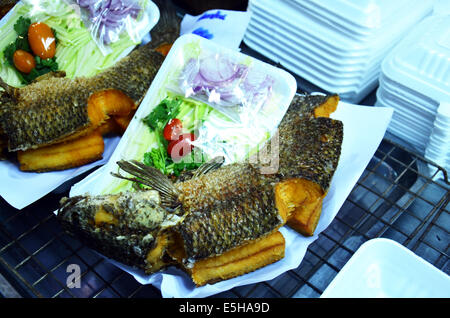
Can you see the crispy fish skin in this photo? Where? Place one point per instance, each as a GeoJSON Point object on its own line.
{"type": "Point", "coordinates": [309, 147]}
{"type": "Point", "coordinates": [309, 152]}
{"type": "Point", "coordinates": [125, 227]}
{"type": "Point", "coordinates": [310, 106]}
{"type": "Point", "coordinates": [50, 110]}
{"type": "Point", "coordinates": [228, 207]}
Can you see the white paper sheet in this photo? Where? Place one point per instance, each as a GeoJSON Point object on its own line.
{"type": "Point", "coordinates": [364, 128]}
{"type": "Point", "coordinates": [226, 27]}
{"type": "Point", "coordinates": [21, 189]}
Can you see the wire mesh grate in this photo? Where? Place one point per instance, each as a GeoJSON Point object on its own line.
{"type": "Point", "coordinates": [394, 198]}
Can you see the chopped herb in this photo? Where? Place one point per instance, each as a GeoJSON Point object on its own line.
{"type": "Point", "coordinates": [42, 67]}
{"type": "Point", "coordinates": [9, 53]}
{"type": "Point", "coordinates": [158, 156]}
{"type": "Point", "coordinates": [178, 167]}
{"type": "Point", "coordinates": [167, 109]}
{"type": "Point", "coordinates": [22, 43]}
{"type": "Point", "coordinates": [21, 27]}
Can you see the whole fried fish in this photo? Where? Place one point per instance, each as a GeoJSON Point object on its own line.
{"type": "Point", "coordinates": [51, 110]}
{"type": "Point", "coordinates": [229, 216]}
{"type": "Point", "coordinates": [220, 210]}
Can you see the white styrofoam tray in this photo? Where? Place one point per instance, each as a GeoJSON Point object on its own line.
{"type": "Point", "coordinates": [384, 268]}
{"type": "Point", "coordinates": [312, 73]}
{"type": "Point", "coordinates": [421, 61]}
{"type": "Point", "coordinates": [130, 147]}
{"type": "Point", "coordinates": [360, 18]}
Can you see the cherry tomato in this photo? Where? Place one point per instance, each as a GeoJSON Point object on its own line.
{"type": "Point", "coordinates": [42, 40]}
{"type": "Point", "coordinates": [172, 129]}
{"type": "Point", "coordinates": [24, 61]}
{"type": "Point", "coordinates": [181, 147]}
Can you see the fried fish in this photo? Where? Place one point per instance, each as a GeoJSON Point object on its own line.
{"type": "Point", "coordinates": [227, 216]}
{"type": "Point", "coordinates": [55, 109]}
{"type": "Point", "coordinates": [52, 110]}
{"type": "Point", "coordinates": [309, 152]}
{"type": "Point", "coordinates": [215, 213]}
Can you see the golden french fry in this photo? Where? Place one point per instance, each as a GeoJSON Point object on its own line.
{"type": "Point", "coordinates": [300, 203]}
{"type": "Point", "coordinates": [124, 121]}
{"type": "Point", "coordinates": [64, 155]}
{"type": "Point", "coordinates": [239, 261]}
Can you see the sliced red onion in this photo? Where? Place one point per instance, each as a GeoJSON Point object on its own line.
{"type": "Point", "coordinates": [110, 15]}
{"type": "Point", "coordinates": [225, 83]}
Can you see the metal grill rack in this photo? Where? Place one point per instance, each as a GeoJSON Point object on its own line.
{"type": "Point", "coordinates": [394, 198]}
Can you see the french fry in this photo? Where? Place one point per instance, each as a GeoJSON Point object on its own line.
{"type": "Point", "coordinates": [123, 121]}
{"type": "Point", "coordinates": [239, 261]}
{"type": "Point", "coordinates": [108, 103]}
{"type": "Point", "coordinates": [62, 156]}
{"type": "Point", "coordinates": [300, 203]}
{"type": "Point", "coordinates": [110, 126]}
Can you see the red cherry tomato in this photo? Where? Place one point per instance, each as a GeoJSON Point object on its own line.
{"type": "Point", "coordinates": [181, 147]}
{"type": "Point", "coordinates": [173, 129]}
{"type": "Point", "coordinates": [24, 61]}
{"type": "Point", "coordinates": [42, 40]}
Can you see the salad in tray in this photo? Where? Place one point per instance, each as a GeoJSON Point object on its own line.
{"type": "Point", "coordinates": [62, 33]}
{"type": "Point", "coordinates": [179, 126]}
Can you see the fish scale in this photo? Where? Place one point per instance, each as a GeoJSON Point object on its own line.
{"type": "Point", "coordinates": [243, 210]}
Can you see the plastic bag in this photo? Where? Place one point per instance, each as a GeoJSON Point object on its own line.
{"type": "Point", "coordinates": [249, 97]}
{"type": "Point", "coordinates": [235, 88]}
{"type": "Point", "coordinates": [109, 20]}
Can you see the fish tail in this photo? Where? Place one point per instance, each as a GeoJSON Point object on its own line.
{"type": "Point", "coordinates": [167, 30]}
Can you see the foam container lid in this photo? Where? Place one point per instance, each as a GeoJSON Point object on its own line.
{"type": "Point", "coordinates": [328, 27]}
{"type": "Point", "coordinates": [347, 64]}
{"type": "Point", "coordinates": [360, 16]}
{"type": "Point", "coordinates": [421, 61]}
{"type": "Point", "coordinates": [383, 268]}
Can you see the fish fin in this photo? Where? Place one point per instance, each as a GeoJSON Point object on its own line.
{"type": "Point", "coordinates": [213, 164]}
{"type": "Point", "coordinates": [151, 177]}
{"type": "Point", "coordinates": [11, 91]}
{"type": "Point", "coordinates": [167, 30]}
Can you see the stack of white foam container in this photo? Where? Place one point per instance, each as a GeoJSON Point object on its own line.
{"type": "Point", "coordinates": [415, 82]}
{"type": "Point", "coordinates": [337, 45]}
